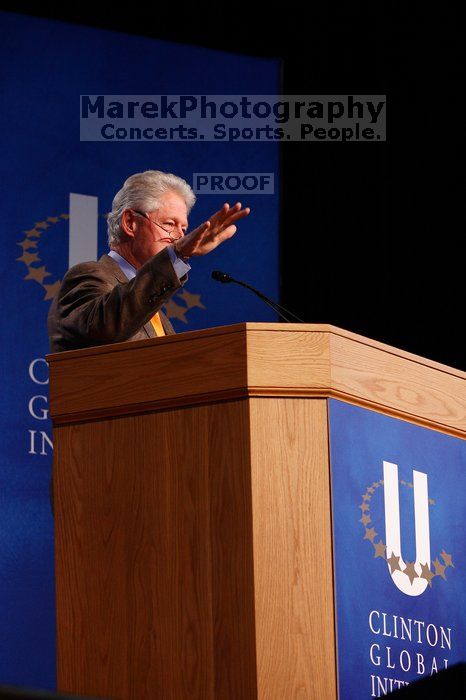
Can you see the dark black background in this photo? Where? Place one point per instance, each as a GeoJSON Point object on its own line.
{"type": "Point", "coordinates": [371, 233]}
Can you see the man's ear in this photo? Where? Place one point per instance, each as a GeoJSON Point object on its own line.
{"type": "Point", "coordinates": [128, 222]}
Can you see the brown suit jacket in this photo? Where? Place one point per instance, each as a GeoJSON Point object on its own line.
{"type": "Point", "coordinates": [97, 304]}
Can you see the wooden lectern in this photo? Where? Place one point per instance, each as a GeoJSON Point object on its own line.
{"type": "Point", "coordinates": [192, 505]}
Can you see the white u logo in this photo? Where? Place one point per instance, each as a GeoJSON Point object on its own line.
{"type": "Point", "coordinates": [83, 228]}
{"type": "Point", "coordinates": [392, 528]}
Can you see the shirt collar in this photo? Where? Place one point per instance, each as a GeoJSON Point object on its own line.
{"type": "Point", "coordinates": [125, 266]}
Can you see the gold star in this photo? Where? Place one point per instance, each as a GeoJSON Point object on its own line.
{"type": "Point", "coordinates": [371, 490]}
{"type": "Point", "coordinates": [370, 534]}
{"type": "Point", "coordinates": [410, 485]}
{"type": "Point", "coordinates": [37, 273]}
{"type": "Point", "coordinates": [173, 310]}
{"type": "Point", "coordinates": [191, 300]}
{"type": "Point", "coordinates": [364, 507]}
{"type": "Point", "coordinates": [366, 497]}
{"type": "Point", "coordinates": [439, 569]}
{"type": "Point", "coordinates": [53, 219]}
{"type": "Point", "coordinates": [27, 244]}
{"type": "Point", "coordinates": [42, 224]}
{"type": "Point", "coordinates": [32, 233]}
{"type": "Point", "coordinates": [28, 258]}
{"type": "Point", "coordinates": [427, 574]}
{"type": "Point", "coordinates": [64, 216]}
{"type": "Point", "coordinates": [403, 482]}
{"type": "Point", "coordinates": [446, 558]}
{"type": "Point", "coordinates": [379, 549]}
{"type": "Point", "coordinates": [410, 571]}
{"type": "Point", "coordinates": [394, 563]}
{"type": "Point", "coordinates": [431, 502]}
{"type": "Point", "coordinates": [376, 484]}
{"type": "Point", "coordinates": [51, 290]}
{"type": "Point", "coordinates": [365, 520]}
{"type": "Point", "coordinates": [381, 482]}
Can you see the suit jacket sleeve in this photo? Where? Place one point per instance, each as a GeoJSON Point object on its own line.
{"type": "Point", "coordinates": [93, 308]}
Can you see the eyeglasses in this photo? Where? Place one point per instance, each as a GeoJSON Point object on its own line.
{"type": "Point", "coordinates": [168, 231]}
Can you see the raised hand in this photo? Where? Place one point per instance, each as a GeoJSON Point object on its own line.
{"type": "Point", "coordinates": [218, 228]}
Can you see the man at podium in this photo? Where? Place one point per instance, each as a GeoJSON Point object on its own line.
{"type": "Point", "coordinates": [120, 296]}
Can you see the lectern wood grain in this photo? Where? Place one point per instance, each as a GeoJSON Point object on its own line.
{"type": "Point", "coordinates": [154, 556]}
{"type": "Point", "coordinates": [292, 549]}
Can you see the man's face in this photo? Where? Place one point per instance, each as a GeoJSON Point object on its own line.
{"type": "Point", "coordinates": [150, 238]}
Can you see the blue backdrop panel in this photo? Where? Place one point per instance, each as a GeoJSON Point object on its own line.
{"type": "Point", "coordinates": [46, 66]}
{"type": "Point", "coordinates": [387, 636]}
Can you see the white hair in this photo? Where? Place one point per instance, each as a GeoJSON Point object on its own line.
{"type": "Point", "coordinates": [143, 191]}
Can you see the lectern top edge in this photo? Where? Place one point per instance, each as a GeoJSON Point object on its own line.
{"type": "Point", "coordinates": [256, 327]}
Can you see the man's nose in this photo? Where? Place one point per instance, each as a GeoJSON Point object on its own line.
{"type": "Point", "coordinates": [178, 232]}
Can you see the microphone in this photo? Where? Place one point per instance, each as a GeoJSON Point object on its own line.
{"type": "Point", "coordinates": [221, 276]}
{"type": "Point", "coordinates": [280, 310]}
